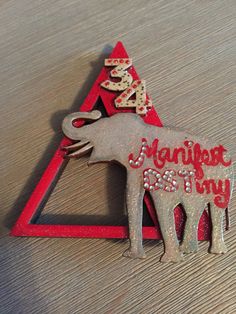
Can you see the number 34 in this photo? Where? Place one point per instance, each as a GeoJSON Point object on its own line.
{"type": "Point", "coordinates": [128, 86]}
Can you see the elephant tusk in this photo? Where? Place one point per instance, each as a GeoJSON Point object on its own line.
{"type": "Point", "coordinates": [84, 150]}
{"type": "Point", "coordinates": [76, 145]}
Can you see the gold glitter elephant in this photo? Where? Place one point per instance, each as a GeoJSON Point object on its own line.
{"type": "Point", "coordinates": [174, 167]}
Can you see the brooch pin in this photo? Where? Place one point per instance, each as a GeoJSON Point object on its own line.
{"type": "Point", "coordinates": [169, 167]}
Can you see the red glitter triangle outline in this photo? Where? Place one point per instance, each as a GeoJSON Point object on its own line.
{"type": "Point", "coordinates": [24, 225]}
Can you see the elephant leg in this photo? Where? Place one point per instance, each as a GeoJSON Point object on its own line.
{"type": "Point", "coordinates": [217, 240]}
{"type": "Point", "coordinates": [165, 214]}
{"type": "Point", "coordinates": [134, 200]}
{"type": "Point", "coordinates": [193, 212]}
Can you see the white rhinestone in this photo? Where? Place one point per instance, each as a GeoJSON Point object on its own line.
{"type": "Point", "coordinates": [146, 185]}
{"type": "Point", "coordinates": [188, 190]}
{"type": "Point", "coordinates": [145, 173]}
{"type": "Point", "coordinates": [184, 172]}
{"type": "Point", "coordinates": [160, 180]}
{"type": "Point", "coordinates": [191, 173]}
{"type": "Point", "coordinates": [174, 182]}
{"type": "Point", "coordinates": [169, 179]}
{"type": "Point", "coordinates": [190, 143]}
{"type": "Point", "coordinates": [145, 179]}
{"type": "Point", "coordinates": [172, 172]}
{"type": "Point", "coordinates": [179, 172]}
{"type": "Point", "coordinates": [149, 170]}
{"type": "Point", "coordinates": [167, 188]}
{"type": "Point", "coordinates": [156, 184]}
{"type": "Point", "coordinates": [144, 143]}
{"type": "Point", "coordinates": [131, 162]}
{"type": "Point", "coordinates": [187, 183]}
{"type": "Point", "coordinates": [158, 175]}
{"type": "Point", "coordinates": [164, 177]}
{"type": "Point", "coordinates": [161, 186]}
{"type": "Point", "coordinates": [143, 149]}
{"type": "Point", "coordinates": [151, 187]}
{"type": "Point", "coordinates": [142, 154]}
{"type": "Point", "coordinates": [173, 189]}
{"type": "Point", "coordinates": [167, 172]}
{"type": "Point", "coordinates": [140, 159]}
{"type": "Point", "coordinates": [186, 178]}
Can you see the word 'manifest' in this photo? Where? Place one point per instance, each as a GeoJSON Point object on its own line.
{"type": "Point", "coordinates": [191, 154]}
{"type": "Point", "coordinates": [128, 86]}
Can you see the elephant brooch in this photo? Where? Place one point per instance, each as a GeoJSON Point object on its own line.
{"type": "Point", "coordinates": [174, 167]}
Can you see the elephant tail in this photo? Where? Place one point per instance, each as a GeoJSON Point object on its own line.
{"type": "Point", "coordinates": [227, 219]}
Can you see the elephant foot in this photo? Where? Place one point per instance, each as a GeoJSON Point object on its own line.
{"type": "Point", "coordinates": [172, 257]}
{"type": "Point", "coordinates": [189, 247]}
{"type": "Point", "coordinates": [219, 248]}
{"type": "Point", "coordinates": [134, 254]}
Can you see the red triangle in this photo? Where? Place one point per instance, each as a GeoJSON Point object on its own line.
{"type": "Point", "coordinates": [24, 225]}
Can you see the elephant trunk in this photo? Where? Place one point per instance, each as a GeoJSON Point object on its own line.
{"type": "Point", "coordinates": [72, 131]}
{"type": "Point", "coordinates": [81, 135]}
